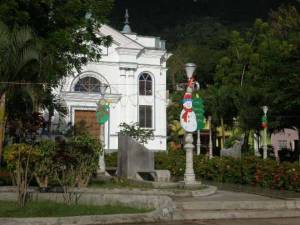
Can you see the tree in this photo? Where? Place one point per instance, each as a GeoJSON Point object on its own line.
{"type": "Point", "coordinates": [18, 50]}
{"type": "Point", "coordinates": [67, 29]}
{"type": "Point", "coordinates": [202, 42]}
{"type": "Point", "coordinates": [138, 133]}
{"type": "Point", "coordinates": [21, 160]}
{"type": "Point", "coordinates": [219, 103]}
{"type": "Point", "coordinates": [68, 38]}
{"type": "Point", "coordinates": [285, 23]}
{"type": "Point", "coordinates": [253, 69]}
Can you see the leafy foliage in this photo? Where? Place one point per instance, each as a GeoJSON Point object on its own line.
{"type": "Point", "coordinates": [176, 133]}
{"type": "Point", "coordinates": [44, 166]}
{"type": "Point", "coordinates": [87, 150]}
{"type": "Point", "coordinates": [21, 160]}
{"type": "Point", "coordinates": [74, 163]}
{"type": "Point", "coordinates": [249, 170]}
{"type": "Point", "coordinates": [67, 30]}
{"type": "Point", "coordinates": [141, 135]}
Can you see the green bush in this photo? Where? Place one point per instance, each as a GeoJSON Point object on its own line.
{"type": "Point", "coordinates": [111, 159]}
{"type": "Point", "coordinates": [173, 161]}
{"type": "Point", "coordinates": [249, 170]}
{"type": "Point", "coordinates": [21, 160]}
{"type": "Point", "coordinates": [44, 166]}
{"type": "Point", "coordinates": [86, 150]}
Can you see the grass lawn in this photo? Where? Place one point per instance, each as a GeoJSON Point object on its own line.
{"type": "Point", "coordinates": [53, 209]}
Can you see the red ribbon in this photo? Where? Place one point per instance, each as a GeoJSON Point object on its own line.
{"type": "Point", "coordinates": [185, 114]}
{"type": "Point", "coordinates": [191, 82]}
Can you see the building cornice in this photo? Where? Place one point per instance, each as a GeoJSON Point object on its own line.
{"type": "Point", "coordinates": [130, 64]}
{"type": "Point", "coordinates": [89, 97]}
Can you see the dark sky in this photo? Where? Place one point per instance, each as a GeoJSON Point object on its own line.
{"type": "Point", "coordinates": [151, 16]}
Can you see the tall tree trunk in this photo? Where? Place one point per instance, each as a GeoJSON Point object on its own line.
{"type": "Point", "coordinates": [223, 133]}
{"type": "Point", "coordinates": [2, 123]}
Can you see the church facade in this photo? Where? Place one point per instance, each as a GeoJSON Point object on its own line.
{"type": "Point", "coordinates": [133, 70]}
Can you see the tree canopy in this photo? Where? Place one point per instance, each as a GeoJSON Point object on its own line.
{"type": "Point", "coordinates": [67, 30]}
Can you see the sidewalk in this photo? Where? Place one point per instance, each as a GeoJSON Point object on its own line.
{"type": "Point", "coordinates": [228, 205]}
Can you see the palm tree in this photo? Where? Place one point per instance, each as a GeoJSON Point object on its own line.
{"type": "Point", "coordinates": [18, 50]}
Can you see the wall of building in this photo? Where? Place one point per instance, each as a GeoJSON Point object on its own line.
{"type": "Point", "coordinates": [121, 68]}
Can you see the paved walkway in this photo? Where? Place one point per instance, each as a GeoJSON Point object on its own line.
{"type": "Point", "coordinates": [225, 196]}
{"type": "Point", "coordinates": [277, 221]}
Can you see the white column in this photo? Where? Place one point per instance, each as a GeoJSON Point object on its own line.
{"type": "Point", "coordinates": [198, 142]}
{"type": "Point", "coordinates": [189, 176]}
{"type": "Point", "coordinates": [210, 139]}
{"type": "Point", "coordinates": [265, 147]}
{"type": "Point", "coordinates": [101, 156]}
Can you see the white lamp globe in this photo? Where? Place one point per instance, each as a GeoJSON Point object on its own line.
{"type": "Point", "coordinates": [265, 109]}
{"type": "Point", "coordinates": [189, 69]}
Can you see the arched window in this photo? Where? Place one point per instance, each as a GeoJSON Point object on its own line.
{"type": "Point", "coordinates": [88, 84]}
{"type": "Point", "coordinates": [145, 84]}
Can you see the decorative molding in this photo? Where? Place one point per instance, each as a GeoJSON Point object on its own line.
{"type": "Point", "coordinates": [84, 97]}
{"type": "Point", "coordinates": [139, 65]}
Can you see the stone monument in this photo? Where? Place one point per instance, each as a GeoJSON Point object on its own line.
{"type": "Point", "coordinates": [133, 158]}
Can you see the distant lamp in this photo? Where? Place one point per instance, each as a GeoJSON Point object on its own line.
{"type": "Point", "coordinates": [265, 109]}
{"type": "Point", "coordinates": [88, 15]}
{"type": "Point", "coordinates": [190, 69]}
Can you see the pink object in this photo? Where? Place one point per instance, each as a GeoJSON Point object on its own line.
{"type": "Point", "coordinates": [284, 139]}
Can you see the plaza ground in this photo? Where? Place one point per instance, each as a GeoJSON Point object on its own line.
{"type": "Point", "coordinates": [275, 221]}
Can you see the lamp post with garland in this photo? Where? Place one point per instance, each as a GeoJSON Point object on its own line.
{"type": "Point", "coordinates": [264, 124]}
{"type": "Point", "coordinates": [102, 116]}
{"type": "Point", "coordinates": [189, 124]}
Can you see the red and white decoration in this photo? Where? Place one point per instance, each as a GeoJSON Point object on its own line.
{"type": "Point", "coordinates": [187, 116]}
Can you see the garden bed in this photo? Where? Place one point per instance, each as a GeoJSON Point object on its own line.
{"type": "Point", "coordinates": [54, 209]}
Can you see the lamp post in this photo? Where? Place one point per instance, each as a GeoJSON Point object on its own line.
{"type": "Point", "coordinates": [210, 146]}
{"type": "Point", "coordinates": [101, 170]}
{"type": "Point", "coordinates": [189, 176]}
{"type": "Point", "coordinates": [265, 125]}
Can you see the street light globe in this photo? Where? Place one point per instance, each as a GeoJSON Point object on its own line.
{"type": "Point", "coordinates": [265, 109]}
{"type": "Point", "coordinates": [189, 69]}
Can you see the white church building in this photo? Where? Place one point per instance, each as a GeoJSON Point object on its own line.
{"type": "Point", "coordinates": [134, 69]}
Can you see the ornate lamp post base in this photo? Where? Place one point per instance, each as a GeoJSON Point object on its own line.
{"type": "Point", "coordinates": [189, 176]}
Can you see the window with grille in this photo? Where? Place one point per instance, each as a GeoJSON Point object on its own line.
{"type": "Point", "coordinates": [88, 84]}
{"type": "Point", "coordinates": [145, 84]}
{"type": "Point", "coordinates": [145, 116]}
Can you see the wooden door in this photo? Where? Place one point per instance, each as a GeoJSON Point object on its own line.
{"type": "Point", "coordinates": [86, 119]}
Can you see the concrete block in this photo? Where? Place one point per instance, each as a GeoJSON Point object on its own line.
{"type": "Point", "coordinates": [162, 175]}
{"type": "Point", "coordinates": [133, 157]}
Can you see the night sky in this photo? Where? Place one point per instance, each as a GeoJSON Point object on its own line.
{"type": "Point", "coordinates": [152, 16]}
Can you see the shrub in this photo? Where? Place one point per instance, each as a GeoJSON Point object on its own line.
{"type": "Point", "coordinates": [249, 170]}
{"type": "Point", "coordinates": [111, 159]}
{"type": "Point", "coordinates": [173, 161]}
{"type": "Point", "coordinates": [44, 166]}
{"type": "Point", "coordinates": [86, 149]}
{"type": "Point", "coordinates": [21, 160]}
{"type": "Point", "coordinates": [138, 133]}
